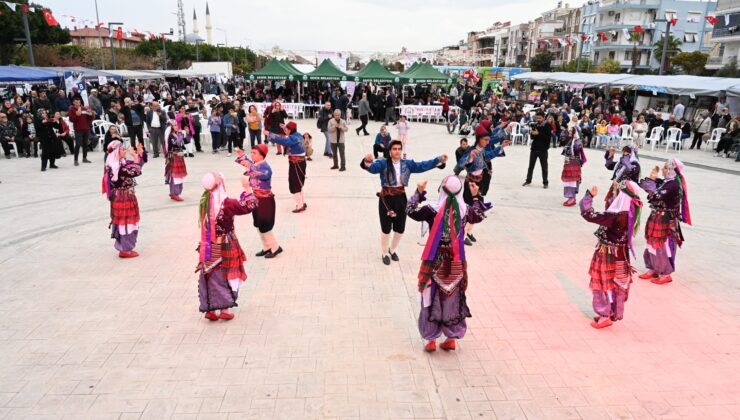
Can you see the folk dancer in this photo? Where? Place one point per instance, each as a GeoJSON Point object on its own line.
{"type": "Point", "coordinates": [575, 158]}
{"type": "Point", "coordinates": [175, 170]}
{"type": "Point", "coordinates": [627, 167]}
{"type": "Point", "coordinates": [221, 259]}
{"type": "Point", "coordinates": [295, 148]}
{"type": "Point", "coordinates": [611, 269]}
{"type": "Point", "coordinates": [443, 277]}
{"type": "Point", "coordinates": [260, 180]}
{"type": "Point", "coordinates": [669, 206]}
{"type": "Point", "coordinates": [394, 177]}
{"type": "Point", "coordinates": [474, 162]}
{"type": "Point", "coordinates": [118, 186]}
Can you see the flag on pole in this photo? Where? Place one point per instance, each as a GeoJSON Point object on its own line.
{"type": "Point", "coordinates": [561, 42]}
{"type": "Point", "coordinates": [119, 34]}
{"type": "Point", "coordinates": [711, 19]}
{"type": "Point", "coordinates": [50, 18]}
{"type": "Point", "coordinates": [639, 29]}
{"type": "Point", "coordinates": [603, 36]}
{"type": "Point", "coordinates": [584, 37]}
{"type": "Point", "coordinates": [674, 21]}
{"type": "Point", "coordinates": [25, 8]}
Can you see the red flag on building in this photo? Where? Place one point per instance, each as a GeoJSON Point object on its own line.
{"type": "Point", "coordinates": [568, 41]}
{"type": "Point", "coordinates": [711, 19]}
{"type": "Point", "coordinates": [639, 29]}
{"type": "Point", "coordinates": [25, 8]}
{"type": "Point", "coordinates": [584, 37]}
{"type": "Point", "coordinates": [674, 21]}
{"type": "Point", "coordinates": [507, 23]}
{"type": "Point", "coordinates": [603, 36]}
{"type": "Point", "coordinates": [119, 33]}
{"type": "Point", "coordinates": [152, 37]}
{"type": "Point", "coordinates": [50, 18]}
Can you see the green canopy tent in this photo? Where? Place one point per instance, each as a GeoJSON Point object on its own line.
{"type": "Point", "coordinates": [423, 73]}
{"type": "Point", "coordinates": [293, 68]}
{"type": "Point", "coordinates": [375, 72]}
{"type": "Point", "coordinates": [277, 70]}
{"type": "Point", "coordinates": [327, 71]}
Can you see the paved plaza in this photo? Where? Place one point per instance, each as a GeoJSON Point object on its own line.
{"type": "Point", "coordinates": [326, 330]}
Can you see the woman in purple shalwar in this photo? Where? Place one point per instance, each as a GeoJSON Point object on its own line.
{"type": "Point", "coordinates": [221, 262]}
{"type": "Point", "coordinates": [443, 276]}
{"type": "Point", "coordinates": [611, 269]}
{"type": "Point", "coordinates": [669, 205]}
{"type": "Point", "coordinates": [118, 186]}
{"type": "Point", "coordinates": [175, 170]}
{"type": "Point", "coordinates": [627, 167]}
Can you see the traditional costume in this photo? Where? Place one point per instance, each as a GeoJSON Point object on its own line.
{"type": "Point", "coordinates": [627, 167]}
{"type": "Point", "coordinates": [175, 170]}
{"type": "Point", "coordinates": [118, 186]}
{"type": "Point", "coordinates": [295, 148]}
{"type": "Point", "coordinates": [611, 269]}
{"type": "Point", "coordinates": [575, 158]}
{"type": "Point", "coordinates": [392, 200]}
{"type": "Point", "coordinates": [260, 179]}
{"type": "Point", "coordinates": [669, 205]}
{"type": "Point", "coordinates": [221, 259]}
{"type": "Point", "coordinates": [443, 276]}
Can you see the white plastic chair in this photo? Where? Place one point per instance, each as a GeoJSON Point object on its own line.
{"type": "Point", "coordinates": [656, 135]}
{"type": "Point", "coordinates": [14, 147]}
{"type": "Point", "coordinates": [101, 128]}
{"type": "Point", "coordinates": [516, 133]}
{"type": "Point", "coordinates": [625, 134]}
{"type": "Point", "coordinates": [674, 138]}
{"type": "Point", "coordinates": [716, 135]}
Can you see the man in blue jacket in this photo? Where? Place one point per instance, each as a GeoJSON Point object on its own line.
{"type": "Point", "coordinates": [394, 177]}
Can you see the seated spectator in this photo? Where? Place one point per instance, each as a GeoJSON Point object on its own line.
{"type": "Point", "coordinates": [729, 137]}
{"type": "Point", "coordinates": [639, 130]}
{"type": "Point", "coordinates": [587, 130]}
{"type": "Point", "coordinates": [612, 130]}
{"type": "Point", "coordinates": [8, 134]}
{"type": "Point", "coordinates": [28, 136]}
{"type": "Point", "coordinates": [381, 142]}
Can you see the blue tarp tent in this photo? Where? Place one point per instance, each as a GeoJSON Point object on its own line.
{"type": "Point", "coordinates": [19, 74]}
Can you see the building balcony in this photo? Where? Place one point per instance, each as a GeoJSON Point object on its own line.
{"type": "Point", "coordinates": [625, 5]}
{"type": "Point", "coordinates": [602, 47]}
{"type": "Point", "coordinates": [724, 35]}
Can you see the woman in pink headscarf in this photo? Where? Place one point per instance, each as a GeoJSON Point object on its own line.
{"type": "Point", "coordinates": [221, 258]}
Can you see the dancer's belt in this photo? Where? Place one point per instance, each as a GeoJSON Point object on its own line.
{"type": "Point", "coordinates": [296, 158]}
{"type": "Point", "coordinates": [391, 191]}
{"type": "Point", "coordinates": [473, 178]}
{"type": "Point", "coordinates": [262, 193]}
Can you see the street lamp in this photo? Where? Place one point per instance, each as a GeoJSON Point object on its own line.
{"type": "Point", "coordinates": [164, 47]}
{"type": "Point", "coordinates": [218, 50]}
{"type": "Point", "coordinates": [665, 44]}
{"type": "Point", "coordinates": [226, 35]}
{"type": "Point", "coordinates": [110, 38]}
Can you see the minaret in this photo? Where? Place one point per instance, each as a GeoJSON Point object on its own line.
{"type": "Point", "coordinates": [195, 24]}
{"type": "Point", "coordinates": [209, 36]}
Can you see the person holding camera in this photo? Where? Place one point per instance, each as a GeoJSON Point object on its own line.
{"type": "Point", "coordinates": [540, 135]}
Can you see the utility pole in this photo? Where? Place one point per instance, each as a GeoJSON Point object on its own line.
{"type": "Point", "coordinates": [28, 38]}
{"type": "Point", "coordinates": [580, 52]}
{"type": "Point", "coordinates": [100, 37]}
{"type": "Point", "coordinates": [665, 47]}
{"type": "Point", "coordinates": [164, 47]}
{"type": "Point", "coordinates": [110, 38]}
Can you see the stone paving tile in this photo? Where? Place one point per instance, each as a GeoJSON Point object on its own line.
{"type": "Point", "coordinates": [327, 331]}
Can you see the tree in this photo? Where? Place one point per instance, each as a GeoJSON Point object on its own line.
{"type": "Point", "coordinates": [674, 47]}
{"type": "Point", "coordinates": [11, 28]}
{"type": "Point", "coordinates": [541, 62]}
{"type": "Point", "coordinates": [635, 37]}
{"type": "Point", "coordinates": [692, 62]}
{"type": "Point", "coordinates": [729, 70]}
{"type": "Point", "coordinates": [579, 64]}
{"type": "Point", "coordinates": [609, 66]}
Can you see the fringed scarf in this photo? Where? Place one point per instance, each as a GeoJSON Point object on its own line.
{"type": "Point", "coordinates": [210, 206]}
{"type": "Point", "coordinates": [112, 161]}
{"type": "Point", "coordinates": [447, 223]}
{"type": "Point", "coordinates": [628, 200]}
{"type": "Point", "coordinates": [683, 191]}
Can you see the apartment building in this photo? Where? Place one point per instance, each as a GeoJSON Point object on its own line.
{"type": "Point", "coordinates": [725, 35]}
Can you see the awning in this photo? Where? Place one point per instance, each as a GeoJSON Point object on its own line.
{"type": "Point", "coordinates": [680, 85]}
{"type": "Point", "coordinates": [26, 74]}
{"type": "Point", "coordinates": [277, 70]}
{"type": "Point", "coordinates": [327, 71]}
{"type": "Point", "coordinates": [375, 72]}
{"type": "Point", "coordinates": [424, 73]}
{"type": "Point", "coordinates": [136, 74]}
{"type": "Point", "coordinates": [588, 80]}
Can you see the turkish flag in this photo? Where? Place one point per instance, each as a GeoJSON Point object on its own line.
{"type": "Point", "coordinates": [674, 21]}
{"type": "Point", "coordinates": [50, 18]}
{"type": "Point", "coordinates": [639, 29]}
{"type": "Point", "coordinates": [603, 36]}
{"type": "Point", "coordinates": [25, 8]}
{"type": "Point", "coordinates": [584, 37]}
{"type": "Point", "coordinates": [119, 34]}
{"type": "Point", "coordinates": [711, 19]}
{"type": "Point", "coordinates": [152, 36]}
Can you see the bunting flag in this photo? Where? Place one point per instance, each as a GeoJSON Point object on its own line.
{"type": "Point", "coordinates": [639, 29]}
{"type": "Point", "coordinates": [119, 34]}
{"type": "Point", "coordinates": [727, 20]}
{"type": "Point", "coordinates": [674, 21]}
{"type": "Point", "coordinates": [25, 8]}
{"type": "Point", "coordinates": [50, 18]}
{"type": "Point", "coordinates": [603, 36]}
{"type": "Point", "coordinates": [626, 34]}
{"type": "Point", "coordinates": [711, 19]}
{"type": "Point", "coordinates": [568, 41]}
{"type": "Point", "coordinates": [507, 23]}
{"type": "Point", "coordinates": [561, 42]}
{"type": "Point", "coordinates": [584, 37]}
{"type": "Point", "coordinates": [151, 36]}
{"type": "Point", "coordinates": [11, 5]}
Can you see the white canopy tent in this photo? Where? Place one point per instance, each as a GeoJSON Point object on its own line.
{"type": "Point", "coordinates": [588, 80]}
{"type": "Point", "coordinates": [136, 74]}
{"type": "Point", "coordinates": [679, 84]}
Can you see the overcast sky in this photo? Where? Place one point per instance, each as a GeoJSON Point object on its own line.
{"type": "Point", "coordinates": [330, 25]}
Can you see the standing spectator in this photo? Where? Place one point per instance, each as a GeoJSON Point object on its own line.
{"type": "Point", "coordinates": [322, 123]}
{"type": "Point", "coordinates": [403, 132]}
{"type": "Point", "coordinates": [63, 133]}
{"type": "Point", "coordinates": [337, 127]}
{"type": "Point", "coordinates": [678, 110]}
{"type": "Point", "coordinates": [48, 140]}
{"type": "Point", "coordinates": [540, 135]}
{"type": "Point", "coordinates": [467, 101]}
{"type": "Point", "coordinates": [445, 106]}
{"type": "Point", "coordinates": [379, 103]}
{"type": "Point", "coordinates": [42, 101]}
{"type": "Point", "coordinates": [275, 121]}
{"type": "Point", "coordinates": [231, 130]}
{"type": "Point", "coordinates": [390, 108]}
{"type": "Point", "coordinates": [363, 110]}
{"type": "Point", "coordinates": [157, 121]}
{"type": "Point", "coordinates": [241, 115]}
{"type": "Point", "coordinates": [28, 135]}
{"type": "Point", "coordinates": [702, 125]}
{"type": "Point", "coordinates": [195, 109]}
{"type": "Point", "coordinates": [133, 113]}
{"type": "Point", "coordinates": [254, 125]}
{"type": "Point", "coordinates": [81, 118]}
{"type": "Point", "coordinates": [344, 104]}
{"type": "Point", "coordinates": [95, 102]}
{"type": "Point", "coordinates": [214, 125]}
{"type": "Point", "coordinates": [61, 102]}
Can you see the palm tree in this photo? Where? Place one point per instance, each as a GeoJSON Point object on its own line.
{"type": "Point", "coordinates": [635, 37]}
{"type": "Point", "coordinates": [674, 47]}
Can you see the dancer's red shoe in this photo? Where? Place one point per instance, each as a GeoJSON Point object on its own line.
{"type": "Point", "coordinates": [128, 254]}
{"type": "Point", "coordinates": [648, 275]}
{"type": "Point", "coordinates": [602, 323]}
{"type": "Point", "coordinates": [431, 346]}
{"type": "Point", "coordinates": [448, 345]}
{"type": "Point", "coordinates": [662, 280]}
{"type": "Point", "coordinates": [212, 316]}
{"type": "Point", "coordinates": [226, 316]}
